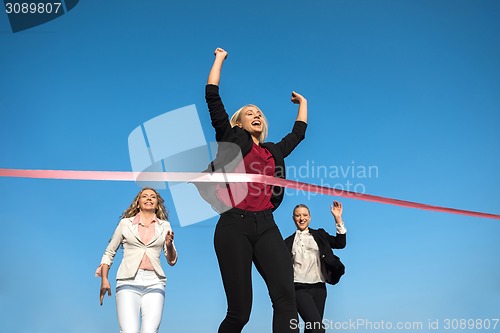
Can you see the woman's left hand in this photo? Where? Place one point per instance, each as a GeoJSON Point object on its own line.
{"type": "Point", "coordinates": [169, 238]}
{"type": "Point", "coordinates": [297, 98]}
{"type": "Point", "coordinates": [336, 210]}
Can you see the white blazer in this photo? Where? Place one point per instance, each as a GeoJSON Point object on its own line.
{"type": "Point", "coordinates": [134, 249]}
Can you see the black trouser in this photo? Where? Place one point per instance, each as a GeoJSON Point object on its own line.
{"type": "Point", "coordinates": [240, 238]}
{"type": "Point", "coordinates": [311, 300]}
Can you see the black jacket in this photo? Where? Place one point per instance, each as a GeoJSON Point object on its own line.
{"type": "Point", "coordinates": [331, 265]}
{"type": "Point", "coordinates": [234, 140]}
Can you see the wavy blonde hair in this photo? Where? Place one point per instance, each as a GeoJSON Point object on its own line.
{"type": "Point", "coordinates": [236, 118]}
{"type": "Point", "coordinates": [133, 209]}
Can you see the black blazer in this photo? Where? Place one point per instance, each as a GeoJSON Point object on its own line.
{"type": "Point", "coordinates": [234, 140]}
{"type": "Point", "coordinates": [331, 265]}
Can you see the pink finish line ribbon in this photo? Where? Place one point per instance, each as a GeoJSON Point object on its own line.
{"type": "Point", "coordinates": [195, 177]}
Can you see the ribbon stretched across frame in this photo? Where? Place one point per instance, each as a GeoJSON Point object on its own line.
{"type": "Point", "coordinates": [194, 177]}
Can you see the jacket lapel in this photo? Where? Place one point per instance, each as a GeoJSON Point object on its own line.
{"type": "Point", "coordinates": [134, 229]}
{"type": "Point", "coordinates": [315, 235]}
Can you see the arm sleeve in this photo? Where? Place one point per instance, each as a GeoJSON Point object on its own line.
{"type": "Point", "coordinates": [341, 229]}
{"type": "Point", "coordinates": [113, 245]}
{"type": "Point", "coordinates": [336, 242]}
{"type": "Point", "coordinates": [218, 114]}
{"type": "Point", "coordinates": [292, 139]}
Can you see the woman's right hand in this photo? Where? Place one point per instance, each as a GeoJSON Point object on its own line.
{"type": "Point", "coordinates": [105, 287]}
{"type": "Point", "coordinates": [220, 52]}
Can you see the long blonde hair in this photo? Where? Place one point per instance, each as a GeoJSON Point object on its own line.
{"type": "Point", "coordinates": [133, 209]}
{"type": "Point", "coordinates": [236, 118]}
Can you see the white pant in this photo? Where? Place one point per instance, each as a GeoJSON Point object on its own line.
{"type": "Point", "coordinates": [143, 296]}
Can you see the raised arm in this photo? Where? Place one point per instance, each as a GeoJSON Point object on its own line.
{"type": "Point", "coordinates": [302, 102]}
{"type": "Point", "coordinates": [336, 209]}
{"type": "Point", "coordinates": [338, 241]}
{"type": "Point", "coordinates": [218, 114]}
{"type": "Point", "coordinates": [214, 76]}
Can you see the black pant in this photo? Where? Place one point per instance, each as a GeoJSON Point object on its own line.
{"type": "Point", "coordinates": [243, 237]}
{"type": "Point", "coordinates": [311, 300]}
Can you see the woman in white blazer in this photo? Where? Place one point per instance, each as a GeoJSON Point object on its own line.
{"type": "Point", "coordinates": [144, 233]}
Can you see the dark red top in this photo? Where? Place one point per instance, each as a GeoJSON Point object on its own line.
{"type": "Point", "coordinates": [250, 196]}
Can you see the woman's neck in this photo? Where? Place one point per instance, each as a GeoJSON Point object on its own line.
{"type": "Point", "coordinates": [147, 217]}
{"type": "Point", "coordinates": [256, 140]}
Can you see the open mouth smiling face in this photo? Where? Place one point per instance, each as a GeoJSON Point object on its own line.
{"type": "Point", "coordinates": [148, 200]}
{"type": "Point", "coordinates": [251, 120]}
{"type": "Point", "coordinates": [301, 217]}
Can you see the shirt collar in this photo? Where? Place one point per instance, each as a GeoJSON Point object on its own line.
{"type": "Point", "coordinates": [137, 219]}
{"type": "Point", "coordinates": [305, 232]}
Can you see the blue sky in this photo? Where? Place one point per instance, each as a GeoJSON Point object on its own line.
{"type": "Point", "coordinates": [408, 87]}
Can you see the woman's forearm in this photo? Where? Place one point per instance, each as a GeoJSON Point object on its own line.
{"type": "Point", "coordinates": [214, 76]}
{"type": "Point", "coordinates": [302, 102]}
{"type": "Point", "coordinates": [171, 254]}
{"type": "Point", "coordinates": [302, 113]}
{"type": "Point", "coordinates": [104, 272]}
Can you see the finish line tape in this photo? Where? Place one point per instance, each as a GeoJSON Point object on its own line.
{"type": "Point", "coordinates": [194, 177]}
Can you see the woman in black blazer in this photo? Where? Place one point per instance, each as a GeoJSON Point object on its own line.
{"type": "Point", "coordinates": [246, 231]}
{"type": "Point", "coordinates": [314, 264]}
